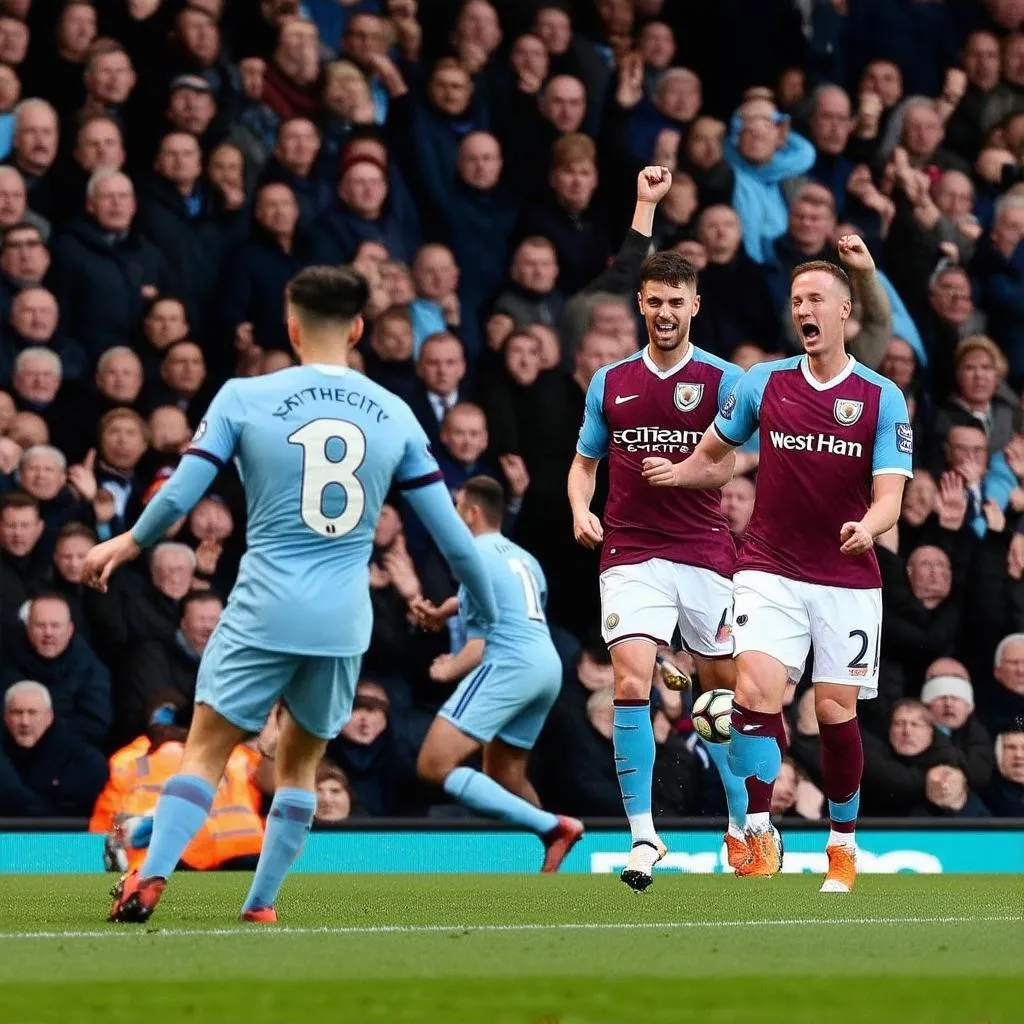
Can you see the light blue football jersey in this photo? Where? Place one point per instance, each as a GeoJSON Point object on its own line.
{"type": "Point", "coordinates": [317, 448]}
{"type": "Point", "coordinates": [521, 593]}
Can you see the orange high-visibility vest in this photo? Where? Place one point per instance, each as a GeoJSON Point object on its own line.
{"type": "Point", "coordinates": [137, 774]}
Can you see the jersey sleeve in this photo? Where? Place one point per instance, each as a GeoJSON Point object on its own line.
{"type": "Point", "coordinates": [731, 376]}
{"type": "Point", "coordinates": [593, 439]}
{"type": "Point", "coordinates": [216, 437]}
{"type": "Point", "coordinates": [740, 413]}
{"type": "Point", "coordinates": [417, 466]}
{"type": "Point", "coordinates": [894, 436]}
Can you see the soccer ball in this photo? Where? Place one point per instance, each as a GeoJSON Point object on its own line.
{"type": "Point", "coordinates": [711, 715]}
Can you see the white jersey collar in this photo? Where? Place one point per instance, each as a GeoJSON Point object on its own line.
{"type": "Point", "coordinates": [665, 374]}
{"type": "Point", "coordinates": [829, 384]}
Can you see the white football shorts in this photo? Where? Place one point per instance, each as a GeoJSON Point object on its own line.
{"type": "Point", "coordinates": [648, 600]}
{"type": "Point", "coordinates": [786, 618]}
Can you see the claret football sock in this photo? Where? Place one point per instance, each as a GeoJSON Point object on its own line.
{"type": "Point", "coordinates": [482, 794]}
{"type": "Point", "coordinates": [755, 754]}
{"type": "Point", "coordinates": [633, 740]}
{"type": "Point", "coordinates": [734, 786]}
{"type": "Point", "coordinates": [842, 765]}
{"type": "Point", "coordinates": [183, 806]}
{"type": "Point", "coordinates": [291, 814]}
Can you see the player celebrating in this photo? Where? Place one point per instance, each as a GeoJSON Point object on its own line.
{"type": "Point", "coordinates": [836, 451]}
{"type": "Point", "coordinates": [318, 446]}
{"type": "Point", "coordinates": [667, 557]}
{"type": "Point", "coordinates": [510, 679]}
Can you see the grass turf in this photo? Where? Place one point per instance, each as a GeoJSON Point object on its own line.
{"type": "Point", "coordinates": [508, 949]}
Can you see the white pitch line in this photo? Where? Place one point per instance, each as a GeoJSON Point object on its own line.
{"type": "Point", "coordinates": [124, 932]}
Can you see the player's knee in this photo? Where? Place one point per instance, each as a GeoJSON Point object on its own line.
{"type": "Point", "coordinates": [630, 685]}
{"type": "Point", "coordinates": [832, 711]}
{"type": "Point", "coordinates": [433, 766]}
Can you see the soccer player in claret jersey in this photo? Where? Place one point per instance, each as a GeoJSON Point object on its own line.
{"type": "Point", "coordinates": [836, 452]}
{"type": "Point", "coordinates": [667, 556]}
{"type": "Point", "coordinates": [509, 682]}
{"type": "Point", "coordinates": [317, 446]}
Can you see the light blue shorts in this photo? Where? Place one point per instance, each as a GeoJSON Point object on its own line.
{"type": "Point", "coordinates": [503, 700]}
{"type": "Point", "coordinates": [241, 683]}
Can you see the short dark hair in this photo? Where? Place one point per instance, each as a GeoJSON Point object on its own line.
{"type": "Point", "coordinates": [18, 499]}
{"type": "Point", "coordinates": [22, 225]}
{"type": "Point", "coordinates": [668, 268]}
{"type": "Point", "coordinates": [328, 294]}
{"type": "Point", "coordinates": [76, 529]}
{"type": "Point", "coordinates": [195, 596]}
{"type": "Point", "coordinates": [488, 495]}
{"type": "Point", "coordinates": [826, 267]}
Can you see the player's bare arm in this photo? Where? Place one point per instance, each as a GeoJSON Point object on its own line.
{"type": "Point", "coordinates": [586, 527]}
{"type": "Point", "coordinates": [711, 465]}
{"type": "Point", "coordinates": [881, 516]}
{"type": "Point", "coordinates": [429, 616]}
{"type": "Point", "coordinates": [652, 185]}
{"type": "Point", "coordinates": [875, 311]}
{"type": "Point", "coordinates": [448, 668]}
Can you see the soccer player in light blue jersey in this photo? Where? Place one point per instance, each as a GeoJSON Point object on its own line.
{"type": "Point", "coordinates": [317, 446]}
{"type": "Point", "coordinates": [510, 679]}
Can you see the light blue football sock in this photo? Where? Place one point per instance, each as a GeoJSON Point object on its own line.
{"type": "Point", "coordinates": [735, 787]}
{"type": "Point", "coordinates": [846, 811]}
{"type": "Point", "coordinates": [482, 794]}
{"type": "Point", "coordinates": [291, 814]}
{"type": "Point", "coordinates": [633, 741]}
{"type": "Point", "coordinates": [749, 755]}
{"type": "Point", "coordinates": [180, 812]}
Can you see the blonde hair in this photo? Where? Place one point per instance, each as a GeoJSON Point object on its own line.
{"type": "Point", "coordinates": [572, 149]}
{"type": "Point", "coordinates": [981, 343]}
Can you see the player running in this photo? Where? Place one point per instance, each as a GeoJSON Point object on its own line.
{"type": "Point", "coordinates": [510, 679]}
{"type": "Point", "coordinates": [836, 452]}
{"type": "Point", "coordinates": [318, 447]}
{"type": "Point", "coordinates": [667, 556]}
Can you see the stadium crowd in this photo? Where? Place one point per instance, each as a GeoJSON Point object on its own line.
{"type": "Point", "coordinates": [167, 166]}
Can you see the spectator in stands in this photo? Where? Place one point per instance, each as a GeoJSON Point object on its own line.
{"type": "Point", "coordinates": [27, 429]}
{"type": "Point", "coordinates": [981, 395]}
{"type": "Point", "coordinates": [36, 380]}
{"type": "Point", "coordinates": [949, 698]}
{"type": "Point", "coordinates": [46, 649]}
{"type": "Point", "coordinates": [367, 752]}
{"type": "Point", "coordinates": [183, 376]}
{"type": "Point", "coordinates": [292, 163]}
{"type": "Point", "coordinates": [57, 70]}
{"type": "Point", "coordinates": [1004, 702]}
{"type": "Point", "coordinates": [463, 443]}
{"type": "Point", "coordinates": [532, 295]}
{"type": "Point", "coordinates": [290, 84]}
{"type": "Point", "coordinates": [24, 262]}
{"type": "Point", "coordinates": [566, 216]}
{"type": "Point", "coordinates": [738, 504]}
{"type": "Point", "coordinates": [195, 226]}
{"type": "Point", "coordinates": [122, 443]}
{"type": "Point", "coordinates": [389, 356]}
{"type": "Point", "coordinates": [1005, 796]}
{"type": "Point", "coordinates": [441, 369]}
{"type": "Point", "coordinates": [36, 139]}
{"type": "Point", "coordinates": [736, 302]}
{"type": "Point", "coordinates": [34, 321]}
{"type": "Point", "coordinates": [704, 161]}
{"type": "Point", "coordinates": [154, 667]}
{"type": "Point", "coordinates": [99, 143]}
{"type": "Point", "coordinates": [764, 154]}
{"type": "Point", "coordinates": [950, 317]}
{"type": "Point", "coordinates": [980, 106]}
{"type": "Point", "coordinates": [101, 302]}
{"type": "Point", "coordinates": [44, 475]}
{"type": "Point", "coordinates": [901, 773]}
{"type": "Point", "coordinates": [999, 269]}
{"type": "Point", "coordinates": [65, 576]}
{"type": "Point", "coordinates": [334, 801]}
{"type": "Point", "coordinates": [14, 203]}
{"type": "Point", "coordinates": [21, 556]}
{"type": "Point", "coordinates": [46, 770]}
{"type": "Point", "coordinates": [436, 307]}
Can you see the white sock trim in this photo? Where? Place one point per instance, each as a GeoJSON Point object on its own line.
{"type": "Point", "coordinates": [642, 827]}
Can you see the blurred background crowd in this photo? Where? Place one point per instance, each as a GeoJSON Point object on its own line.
{"type": "Point", "coordinates": [167, 166]}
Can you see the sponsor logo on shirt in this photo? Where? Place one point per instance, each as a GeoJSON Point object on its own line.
{"type": "Point", "coordinates": [687, 396]}
{"type": "Point", "coordinates": [828, 443]}
{"type": "Point", "coordinates": [847, 412]}
{"type": "Point", "coordinates": [904, 439]}
{"type": "Point", "coordinates": [657, 439]}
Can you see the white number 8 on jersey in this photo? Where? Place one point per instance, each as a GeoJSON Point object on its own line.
{"type": "Point", "coordinates": [320, 470]}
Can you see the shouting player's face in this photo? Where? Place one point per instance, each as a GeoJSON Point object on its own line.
{"type": "Point", "coordinates": [820, 308]}
{"type": "Point", "coordinates": [667, 310]}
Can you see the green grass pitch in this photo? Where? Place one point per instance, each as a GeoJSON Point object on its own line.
{"type": "Point", "coordinates": [509, 949]}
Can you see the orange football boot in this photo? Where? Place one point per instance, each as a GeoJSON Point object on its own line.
{"type": "Point", "coordinates": [842, 869]}
{"type": "Point", "coordinates": [764, 854]}
{"type": "Point", "coordinates": [260, 915]}
{"type": "Point", "coordinates": [737, 850]}
{"type": "Point", "coordinates": [135, 898]}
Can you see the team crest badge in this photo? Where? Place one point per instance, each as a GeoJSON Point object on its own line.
{"type": "Point", "coordinates": [687, 396]}
{"type": "Point", "coordinates": [847, 412]}
{"type": "Point", "coordinates": [612, 621]}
